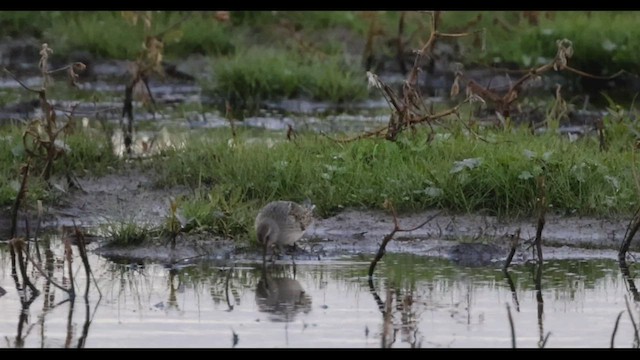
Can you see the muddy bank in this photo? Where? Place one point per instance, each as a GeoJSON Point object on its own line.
{"type": "Point", "coordinates": [129, 195]}
{"type": "Point", "coordinates": [352, 242]}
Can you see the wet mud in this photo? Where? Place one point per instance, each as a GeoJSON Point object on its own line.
{"type": "Point", "coordinates": [468, 239]}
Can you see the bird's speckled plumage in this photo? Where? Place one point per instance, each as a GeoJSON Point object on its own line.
{"type": "Point", "coordinates": [282, 223]}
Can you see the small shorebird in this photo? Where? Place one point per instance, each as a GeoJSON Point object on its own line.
{"type": "Point", "coordinates": [282, 223]}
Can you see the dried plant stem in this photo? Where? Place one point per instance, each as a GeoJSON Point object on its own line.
{"type": "Point", "coordinates": [376, 297]}
{"type": "Point", "coordinates": [35, 236]}
{"type": "Point", "coordinates": [624, 269]}
{"type": "Point", "coordinates": [636, 336]}
{"type": "Point", "coordinates": [634, 223]}
{"type": "Point", "coordinates": [226, 287]}
{"type": "Point", "coordinates": [69, 259]}
{"type": "Point", "coordinates": [19, 197]}
{"type": "Point", "coordinates": [514, 245]}
{"type": "Point", "coordinates": [16, 246]}
{"type": "Point", "coordinates": [388, 237]}
{"type": "Point", "coordinates": [512, 287]}
{"type": "Point", "coordinates": [512, 327]}
{"type": "Point", "coordinates": [615, 328]}
{"type": "Point", "coordinates": [47, 277]}
{"type": "Point", "coordinates": [631, 231]}
{"type": "Point", "coordinates": [540, 301]}
{"type": "Point", "coordinates": [82, 249]}
{"type": "Point", "coordinates": [127, 110]}
{"type": "Point", "coordinates": [541, 205]}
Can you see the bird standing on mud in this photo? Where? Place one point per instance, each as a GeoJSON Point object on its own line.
{"type": "Point", "coordinates": [282, 223]}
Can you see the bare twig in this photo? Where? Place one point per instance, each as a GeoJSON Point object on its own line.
{"type": "Point", "coordinates": [634, 223]}
{"type": "Point", "coordinates": [544, 341]}
{"type": "Point", "coordinates": [513, 330]}
{"type": "Point", "coordinates": [631, 285]}
{"type": "Point", "coordinates": [376, 297]}
{"type": "Point", "coordinates": [514, 245]}
{"type": "Point", "coordinates": [541, 205]}
{"type": "Point", "coordinates": [226, 287]}
{"type": "Point", "coordinates": [47, 277]}
{"type": "Point", "coordinates": [68, 254]}
{"type": "Point", "coordinates": [540, 302]}
{"type": "Point", "coordinates": [82, 249]}
{"type": "Point", "coordinates": [632, 229]}
{"type": "Point", "coordinates": [20, 82]}
{"type": "Point", "coordinates": [615, 327]}
{"type": "Point", "coordinates": [35, 236]}
{"type": "Point", "coordinates": [512, 287]}
{"type": "Point", "coordinates": [389, 237]}
{"type": "Point", "coordinates": [636, 336]}
{"type": "Point", "coordinates": [17, 247]}
{"type": "Point", "coordinates": [22, 192]}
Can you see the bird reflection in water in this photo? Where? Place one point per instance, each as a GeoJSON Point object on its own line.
{"type": "Point", "coordinates": [281, 295]}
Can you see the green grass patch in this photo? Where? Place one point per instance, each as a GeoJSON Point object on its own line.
{"type": "Point", "coordinates": [91, 152]}
{"type": "Point", "coordinates": [108, 33]}
{"type": "Point", "coordinates": [265, 74]}
{"type": "Point", "coordinates": [605, 42]}
{"type": "Point", "coordinates": [27, 23]}
{"type": "Point", "coordinates": [101, 33]}
{"type": "Point", "coordinates": [455, 171]}
{"type": "Point", "coordinates": [223, 210]}
{"type": "Point", "coordinates": [87, 153]}
{"type": "Point", "coordinates": [11, 159]}
{"type": "Point", "coordinates": [602, 39]}
{"type": "Point", "coordinates": [127, 233]}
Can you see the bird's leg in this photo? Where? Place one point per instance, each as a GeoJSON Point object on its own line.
{"type": "Point", "coordinates": [273, 253]}
{"type": "Point", "coordinates": [264, 255]}
{"type": "Point", "coordinates": [280, 250]}
{"type": "Point", "coordinates": [294, 269]}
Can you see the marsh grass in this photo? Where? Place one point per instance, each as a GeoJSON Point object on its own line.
{"type": "Point", "coordinates": [455, 171]}
{"type": "Point", "coordinates": [101, 33]}
{"type": "Point", "coordinates": [108, 34]}
{"type": "Point", "coordinates": [11, 158]}
{"type": "Point", "coordinates": [128, 233]}
{"type": "Point", "coordinates": [200, 34]}
{"type": "Point", "coordinates": [21, 23]}
{"type": "Point", "coordinates": [600, 38]}
{"type": "Point", "coordinates": [223, 210]}
{"type": "Point", "coordinates": [258, 74]}
{"type": "Point", "coordinates": [603, 41]}
{"type": "Point", "coordinates": [89, 153]}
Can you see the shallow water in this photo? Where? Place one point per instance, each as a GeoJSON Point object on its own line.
{"type": "Point", "coordinates": [429, 303]}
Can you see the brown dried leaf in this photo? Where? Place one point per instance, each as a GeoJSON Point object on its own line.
{"type": "Point", "coordinates": [455, 87]}
{"type": "Point", "coordinates": [140, 93]}
{"type": "Point", "coordinates": [222, 16]}
{"type": "Point", "coordinates": [73, 71]}
{"type": "Point", "coordinates": [130, 17]}
{"type": "Point", "coordinates": [73, 77]}
{"type": "Point", "coordinates": [79, 67]}
{"type": "Point", "coordinates": [45, 50]}
{"type": "Point", "coordinates": [565, 51]}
